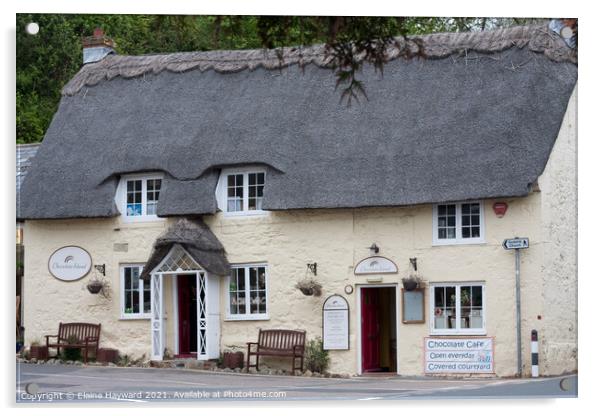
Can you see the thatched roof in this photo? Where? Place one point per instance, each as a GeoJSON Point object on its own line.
{"type": "Point", "coordinates": [197, 239]}
{"type": "Point", "coordinates": [438, 45]}
{"type": "Point", "coordinates": [479, 121]}
{"type": "Point", "coordinates": [25, 154]}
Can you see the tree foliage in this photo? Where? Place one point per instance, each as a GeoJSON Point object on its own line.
{"type": "Point", "coordinates": [46, 61]}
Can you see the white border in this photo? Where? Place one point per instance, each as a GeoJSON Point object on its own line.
{"type": "Point", "coordinates": [121, 197]}
{"type": "Point", "coordinates": [131, 316]}
{"type": "Point", "coordinates": [358, 302]}
{"type": "Point", "coordinates": [221, 190]}
{"type": "Point", "coordinates": [459, 240]}
{"type": "Point", "coordinates": [460, 331]}
{"type": "Point", "coordinates": [247, 316]}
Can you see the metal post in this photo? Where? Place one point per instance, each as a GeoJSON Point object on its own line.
{"type": "Point", "coordinates": [518, 317]}
{"type": "Point", "coordinates": [534, 354]}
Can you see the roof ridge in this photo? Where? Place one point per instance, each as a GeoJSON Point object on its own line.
{"type": "Point", "coordinates": [539, 38]}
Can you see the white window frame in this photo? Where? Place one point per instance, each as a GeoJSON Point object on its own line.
{"type": "Point", "coordinates": [247, 316]}
{"type": "Point", "coordinates": [130, 316]}
{"type": "Point", "coordinates": [458, 240]}
{"type": "Point", "coordinates": [221, 191]}
{"type": "Point", "coordinates": [121, 197]}
{"type": "Point", "coordinates": [458, 330]}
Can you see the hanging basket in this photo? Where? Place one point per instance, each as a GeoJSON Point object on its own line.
{"type": "Point", "coordinates": [309, 287]}
{"type": "Point", "coordinates": [94, 287]}
{"type": "Point", "coordinates": [410, 283]}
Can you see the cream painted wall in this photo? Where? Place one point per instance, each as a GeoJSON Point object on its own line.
{"type": "Point", "coordinates": [337, 240]}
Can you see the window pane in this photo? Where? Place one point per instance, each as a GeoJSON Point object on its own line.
{"type": "Point", "coordinates": [241, 278]}
{"type": "Point", "coordinates": [477, 296]}
{"type": "Point", "coordinates": [439, 297]}
{"type": "Point", "coordinates": [446, 221]}
{"type": "Point", "coordinates": [134, 198]}
{"type": "Point", "coordinates": [465, 232]}
{"type": "Point", "coordinates": [235, 193]}
{"type": "Point", "coordinates": [241, 303]}
{"type": "Point", "coordinates": [476, 232]}
{"type": "Point", "coordinates": [153, 186]}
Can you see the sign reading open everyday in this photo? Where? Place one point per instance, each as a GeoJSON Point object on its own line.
{"type": "Point", "coordinates": [335, 325]}
{"type": "Point", "coordinates": [458, 355]}
{"type": "Point", "coordinates": [69, 263]}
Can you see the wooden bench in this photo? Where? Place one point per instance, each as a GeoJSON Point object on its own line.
{"type": "Point", "coordinates": [278, 343]}
{"type": "Point", "coordinates": [86, 338]}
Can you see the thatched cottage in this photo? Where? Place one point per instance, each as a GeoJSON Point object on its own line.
{"type": "Point", "coordinates": [211, 194]}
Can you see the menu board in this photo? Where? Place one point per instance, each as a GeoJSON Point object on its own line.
{"type": "Point", "coordinates": [335, 323]}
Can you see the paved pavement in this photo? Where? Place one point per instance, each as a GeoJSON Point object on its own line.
{"type": "Point", "coordinates": [61, 383]}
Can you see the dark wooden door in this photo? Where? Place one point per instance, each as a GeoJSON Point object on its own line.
{"type": "Point", "coordinates": [187, 315]}
{"type": "Point", "coordinates": [370, 330]}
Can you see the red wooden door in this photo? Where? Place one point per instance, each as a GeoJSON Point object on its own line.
{"type": "Point", "coordinates": [187, 315]}
{"type": "Point", "coordinates": [370, 330]}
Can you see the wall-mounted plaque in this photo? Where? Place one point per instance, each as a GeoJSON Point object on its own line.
{"type": "Point", "coordinates": [375, 265]}
{"type": "Point", "coordinates": [335, 323]}
{"type": "Point", "coordinates": [69, 263]}
{"type": "Point", "coordinates": [412, 306]}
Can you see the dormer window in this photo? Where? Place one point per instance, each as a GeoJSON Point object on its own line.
{"type": "Point", "coordinates": [240, 191]}
{"type": "Point", "coordinates": [138, 196]}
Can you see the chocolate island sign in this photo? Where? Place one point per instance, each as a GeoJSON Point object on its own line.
{"type": "Point", "coordinates": [375, 265]}
{"type": "Point", "coordinates": [69, 263]}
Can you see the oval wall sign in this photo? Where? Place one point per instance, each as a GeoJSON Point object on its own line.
{"type": "Point", "coordinates": [375, 265]}
{"type": "Point", "coordinates": [69, 263]}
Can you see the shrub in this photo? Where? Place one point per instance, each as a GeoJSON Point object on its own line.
{"type": "Point", "coordinates": [72, 354]}
{"type": "Point", "coordinates": [316, 359]}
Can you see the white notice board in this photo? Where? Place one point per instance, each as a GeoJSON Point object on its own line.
{"type": "Point", "coordinates": [335, 323]}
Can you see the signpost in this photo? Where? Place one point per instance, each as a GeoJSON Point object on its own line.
{"type": "Point", "coordinates": [517, 244]}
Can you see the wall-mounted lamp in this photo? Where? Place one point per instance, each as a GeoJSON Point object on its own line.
{"type": "Point", "coordinates": [414, 263]}
{"type": "Point", "coordinates": [374, 248]}
{"type": "Point", "coordinates": [101, 268]}
{"type": "Point", "coordinates": [313, 268]}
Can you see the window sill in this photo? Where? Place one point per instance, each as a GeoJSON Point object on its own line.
{"type": "Point", "coordinates": [479, 332]}
{"type": "Point", "coordinates": [459, 242]}
{"type": "Point", "coordinates": [141, 218]}
{"type": "Point", "coordinates": [135, 317]}
{"type": "Point", "coordinates": [245, 213]}
{"type": "Point", "coordinates": [231, 318]}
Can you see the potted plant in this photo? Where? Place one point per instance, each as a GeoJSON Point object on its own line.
{"type": "Point", "coordinates": [233, 359]}
{"type": "Point", "coordinates": [37, 351]}
{"type": "Point", "coordinates": [309, 287]}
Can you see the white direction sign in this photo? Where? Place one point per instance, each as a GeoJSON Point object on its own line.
{"type": "Point", "coordinates": [515, 243]}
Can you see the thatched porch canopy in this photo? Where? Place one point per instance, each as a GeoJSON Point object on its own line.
{"type": "Point", "coordinates": [197, 239]}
